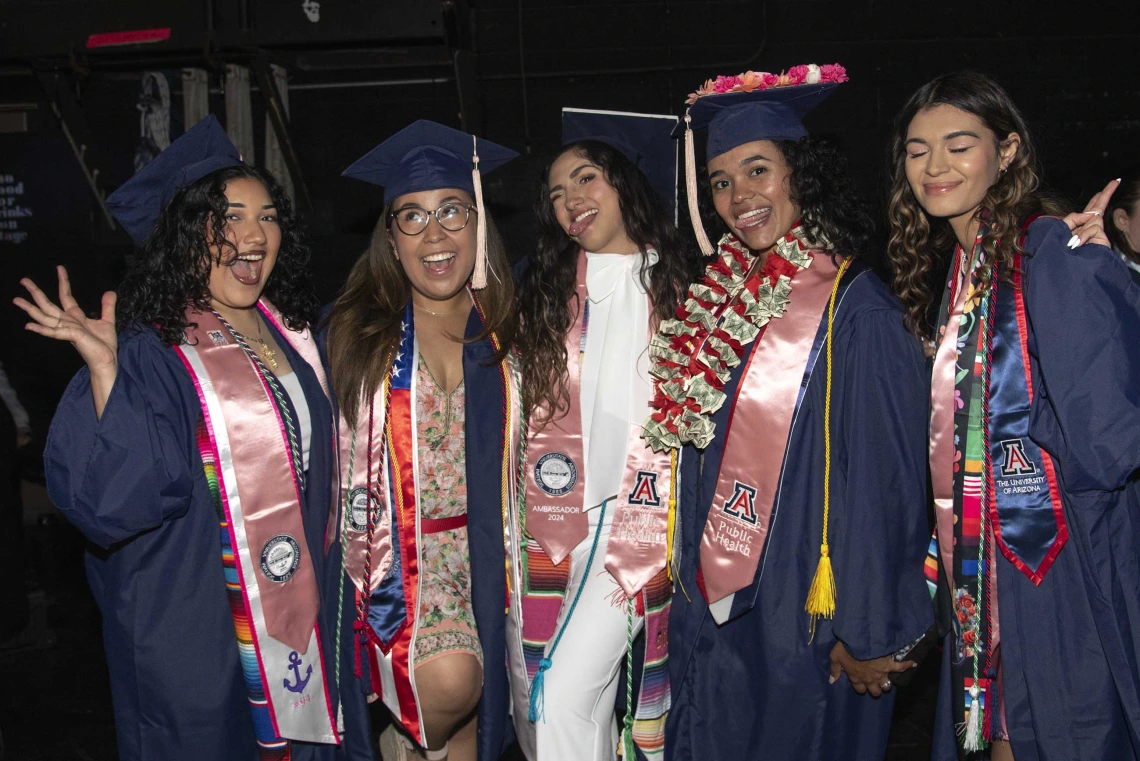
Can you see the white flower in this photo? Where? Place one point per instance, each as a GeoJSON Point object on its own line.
{"type": "Point", "coordinates": [812, 75]}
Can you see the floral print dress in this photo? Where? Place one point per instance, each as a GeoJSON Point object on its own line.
{"type": "Point", "coordinates": [446, 620]}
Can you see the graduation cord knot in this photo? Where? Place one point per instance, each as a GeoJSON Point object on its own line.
{"type": "Point", "coordinates": [537, 706]}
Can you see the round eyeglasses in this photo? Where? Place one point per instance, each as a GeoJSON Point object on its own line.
{"type": "Point", "coordinates": [413, 220]}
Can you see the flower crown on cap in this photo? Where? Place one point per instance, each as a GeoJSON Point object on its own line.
{"type": "Point", "coordinates": [750, 81]}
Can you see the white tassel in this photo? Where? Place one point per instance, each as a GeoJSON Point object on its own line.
{"type": "Point", "coordinates": [479, 276]}
{"type": "Point", "coordinates": [973, 740]}
{"type": "Point", "coordinates": [703, 241]}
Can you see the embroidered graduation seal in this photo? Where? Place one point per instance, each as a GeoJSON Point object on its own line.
{"type": "Point", "coordinates": [555, 474]}
{"type": "Point", "coordinates": [280, 557]}
{"type": "Point", "coordinates": [358, 509]}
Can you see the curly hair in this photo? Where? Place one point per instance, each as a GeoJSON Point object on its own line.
{"type": "Point", "coordinates": [1127, 197]}
{"type": "Point", "coordinates": [173, 271]}
{"type": "Point", "coordinates": [548, 285]}
{"type": "Point", "coordinates": [917, 243]}
{"type": "Point", "coordinates": [831, 210]}
{"type": "Point", "coordinates": [365, 321]}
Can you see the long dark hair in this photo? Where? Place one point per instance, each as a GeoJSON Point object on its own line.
{"type": "Point", "coordinates": [364, 324]}
{"type": "Point", "coordinates": [173, 269]}
{"type": "Point", "coordinates": [918, 241]}
{"type": "Point", "coordinates": [1127, 197]}
{"type": "Point", "coordinates": [548, 284]}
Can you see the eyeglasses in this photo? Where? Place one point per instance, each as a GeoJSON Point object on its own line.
{"type": "Point", "coordinates": [413, 220]}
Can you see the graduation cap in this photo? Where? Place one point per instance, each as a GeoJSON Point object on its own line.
{"type": "Point", "coordinates": [426, 155]}
{"type": "Point", "coordinates": [203, 149]}
{"type": "Point", "coordinates": [769, 107]}
{"type": "Point", "coordinates": [644, 139]}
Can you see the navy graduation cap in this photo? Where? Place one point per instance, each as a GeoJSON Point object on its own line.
{"type": "Point", "coordinates": [203, 149]}
{"type": "Point", "coordinates": [644, 139]}
{"type": "Point", "coordinates": [426, 155]}
{"type": "Point", "coordinates": [738, 115]}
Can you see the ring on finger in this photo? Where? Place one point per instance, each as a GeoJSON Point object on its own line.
{"type": "Point", "coordinates": [885, 685]}
{"type": "Point", "coordinates": [1095, 212]}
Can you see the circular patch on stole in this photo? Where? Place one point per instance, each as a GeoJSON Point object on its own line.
{"type": "Point", "coordinates": [358, 509]}
{"type": "Point", "coordinates": [555, 474]}
{"type": "Point", "coordinates": [280, 558]}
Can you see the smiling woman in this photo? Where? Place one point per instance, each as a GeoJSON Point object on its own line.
{"type": "Point", "coordinates": [801, 543]}
{"type": "Point", "coordinates": [1034, 390]}
{"type": "Point", "coordinates": [198, 439]}
{"type": "Point", "coordinates": [418, 352]}
{"type": "Point", "coordinates": [608, 267]}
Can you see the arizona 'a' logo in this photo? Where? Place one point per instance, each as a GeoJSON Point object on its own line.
{"type": "Point", "coordinates": [644, 490]}
{"type": "Point", "coordinates": [742, 503]}
{"type": "Point", "coordinates": [1016, 462]}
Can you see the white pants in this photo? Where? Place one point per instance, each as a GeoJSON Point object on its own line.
{"type": "Point", "coordinates": [581, 684]}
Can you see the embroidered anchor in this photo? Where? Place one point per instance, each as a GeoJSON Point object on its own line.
{"type": "Point", "coordinates": [295, 663]}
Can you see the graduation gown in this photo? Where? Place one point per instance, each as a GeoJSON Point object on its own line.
{"type": "Point", "coordinates": [133, 483]}
{"type": "Point", "coordinates": [757, 687]}
{"type": "Point", "coordinates": [1070, 648]}
{"type": "Point", "coordinates": [484, 435]}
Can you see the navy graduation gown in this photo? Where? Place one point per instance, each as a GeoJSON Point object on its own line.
{"type": "Point", "coordinates": [486, 545]}
{"type": "Point", "coordinates": [1070, 647]}
{"type": "Point", "coordinates": [756, 687]}
{"type": "Point", "coordinates": [132, 482]}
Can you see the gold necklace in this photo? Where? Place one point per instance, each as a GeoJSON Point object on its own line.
{"type": "Point", "coordinates": [269, 354]}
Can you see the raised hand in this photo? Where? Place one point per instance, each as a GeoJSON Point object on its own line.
{"type": "Point", "coordinates": [96, 340]}
{"type": "Point", "coordinates": [1088, 225]}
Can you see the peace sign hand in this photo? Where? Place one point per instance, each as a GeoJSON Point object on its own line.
{"type": "Point", "coordinates": [96, 340]}
{"type": "Point", "coordinates": [1088, 225]}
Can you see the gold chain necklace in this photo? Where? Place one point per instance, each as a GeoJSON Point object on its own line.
{"type": "Point", "coordinates": [269, 355]}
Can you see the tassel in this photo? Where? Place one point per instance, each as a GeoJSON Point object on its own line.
{"type": "Point", "coordinates": [691, 189]}
{"type": "Point", "coordinates": [628, 749]}
{"type": "Point", "coordinates": [479, 276]}
{"type": "Point", "coordinates": [973, 740]}
{"type": "Point", "coordinates": [821, 594]}
{"type": "Point", "coordinates": [537, 703]}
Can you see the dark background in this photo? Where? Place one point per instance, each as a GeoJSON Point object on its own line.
{"type": "Point", "coordinates": [499, 68]}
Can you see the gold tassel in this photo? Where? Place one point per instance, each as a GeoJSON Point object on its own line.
{"type": "Point", "coordinates": [821, 594]}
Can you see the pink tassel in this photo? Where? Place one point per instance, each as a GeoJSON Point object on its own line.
{"type": "Point", "coordinates": [479, 276]}
{"type": "Point", "coordinates": [703, 241]}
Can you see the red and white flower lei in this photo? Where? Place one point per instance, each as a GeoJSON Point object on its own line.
{"type": "Point", "coordinates": [691, 356]}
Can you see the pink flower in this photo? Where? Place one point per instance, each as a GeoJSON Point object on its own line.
{"type": "Point", "coordinates": [832, 72]}
{"type": "Point", "coordinates": [768, 80]}
{"type": "Point", "coordinates": [725, 84]}
{"type": "Point", "coordinates": [797, 74]}
{"type": "Point", "coordinates": [958, 403]}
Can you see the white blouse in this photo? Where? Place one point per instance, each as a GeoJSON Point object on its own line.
{"type": "Point", "coordinates": [616, 387]}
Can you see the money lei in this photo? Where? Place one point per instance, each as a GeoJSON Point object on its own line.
{"type": "Point", "coordinates": [691, 356]}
